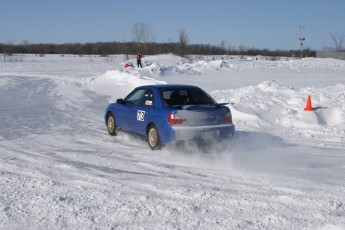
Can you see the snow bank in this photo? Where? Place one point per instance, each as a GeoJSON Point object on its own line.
{"type": "Point", "coordinates": [271, 106]}
{"type": "Point", "coordinates": [118, 83]}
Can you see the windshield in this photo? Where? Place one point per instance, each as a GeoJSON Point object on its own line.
{"type": "Point", "coordinates": [187, 96]}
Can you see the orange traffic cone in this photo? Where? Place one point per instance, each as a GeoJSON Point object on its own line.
{"type": "Point", "coordinates": [308, 106]}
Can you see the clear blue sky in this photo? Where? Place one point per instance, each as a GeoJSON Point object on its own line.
{"type": "Point", "coordinates": [271, 24]}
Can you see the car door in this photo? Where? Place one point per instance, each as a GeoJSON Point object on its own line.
{"type": "Point", "coordinates": [143, 111]}
{"type": "Point", "coordinates": [127, 114]}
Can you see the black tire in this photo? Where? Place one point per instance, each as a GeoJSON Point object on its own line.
{"type": "Point", "coordinates": [153, 137]}
{"type": "Point", "coordinates": [111, 125]}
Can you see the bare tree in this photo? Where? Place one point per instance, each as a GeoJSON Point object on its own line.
{"type": "Point", "coordinates": [222, 44]}
{"type": "Point", "coordinates": [337, 42]}
{"type": "Point", "coordinates": [183, 41]}
{"type": "Point", "coordinates": [224, 47]}
{"type": "Point", "coordinates": [142, 34]}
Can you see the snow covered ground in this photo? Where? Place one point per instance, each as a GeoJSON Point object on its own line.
{"type": "Point", "coordinates": [284, 168]}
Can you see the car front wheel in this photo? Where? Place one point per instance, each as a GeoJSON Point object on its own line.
{"type": "Point", "coordinates": [111, 125]}
{"type": "Point", "coordinates": [153, 137]}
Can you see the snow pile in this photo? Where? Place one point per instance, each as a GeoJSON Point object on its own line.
{"type": "Point", "coordinates": [118, 83]}
{"type": "Point", "coordinates": [271, 106]}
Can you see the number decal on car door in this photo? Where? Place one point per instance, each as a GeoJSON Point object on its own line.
{"type": "Point", "coordinates": [140, 115]}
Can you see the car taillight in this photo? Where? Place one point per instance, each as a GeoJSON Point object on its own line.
{"type": "Point", "coordinates": [228, 118]}
{"type": "Point", "coordinates": [174, 119]}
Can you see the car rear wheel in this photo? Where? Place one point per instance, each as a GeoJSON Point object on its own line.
{"type": "Point", "coordinates": [153, 137]}
{"type": "Point", "coordinates": [111, 125]}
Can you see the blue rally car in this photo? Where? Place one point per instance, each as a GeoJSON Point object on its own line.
{"type": "Point", "coordinates": [170, 113]}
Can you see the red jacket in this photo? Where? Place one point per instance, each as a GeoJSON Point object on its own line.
{"type": "Point", "coordinates": [139, 56]}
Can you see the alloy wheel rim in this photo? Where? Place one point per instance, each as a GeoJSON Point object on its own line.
{"type": "Point", "coordinates": [111, 124]}
{"type": "Point", "coordinates": [153, 137]}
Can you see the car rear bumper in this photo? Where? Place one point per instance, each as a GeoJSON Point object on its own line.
{"type": "Point", "coordinates": [203, 132]}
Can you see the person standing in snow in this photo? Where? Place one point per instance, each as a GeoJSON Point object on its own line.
{"type": "Point", "coordinates": [139, 56]}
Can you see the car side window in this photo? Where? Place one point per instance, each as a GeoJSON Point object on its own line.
{"type": "Point", "coordinates": [147, 99]}
{"type": "Point", "coordinates": [166, 97]}
{"type": "Point", "coordinates": [134, 97]}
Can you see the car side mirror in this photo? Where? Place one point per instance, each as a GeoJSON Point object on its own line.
{"type": "Point", "coordinates": [120, 101]}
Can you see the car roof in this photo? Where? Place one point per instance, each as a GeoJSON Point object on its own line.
{"type": "Point", "coordinates": [168, 86]}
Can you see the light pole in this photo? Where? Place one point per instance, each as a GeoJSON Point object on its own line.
{"type": "Point", "coordinates": [301, 38]}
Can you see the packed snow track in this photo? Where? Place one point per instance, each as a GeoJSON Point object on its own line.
{"type": "Point", "coordinates": [283, 169]}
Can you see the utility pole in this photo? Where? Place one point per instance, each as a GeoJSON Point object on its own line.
{"type": "Point", "coordinates": [301, 38]}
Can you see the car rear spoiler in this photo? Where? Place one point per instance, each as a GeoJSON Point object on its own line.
{"type": "Point", "coordinates": [191, 107]}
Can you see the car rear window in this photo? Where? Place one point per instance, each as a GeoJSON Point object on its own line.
{"type": "Point", "coordinates": [187, 96]}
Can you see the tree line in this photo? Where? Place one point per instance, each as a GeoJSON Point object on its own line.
{"type": "Point", "coordinates": [150, 48]}
{"type": "Point", "coordinates": [143, 42]}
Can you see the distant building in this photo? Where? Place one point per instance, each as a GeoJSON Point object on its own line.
{"type": "Point", "coordinates": [328, 54]}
